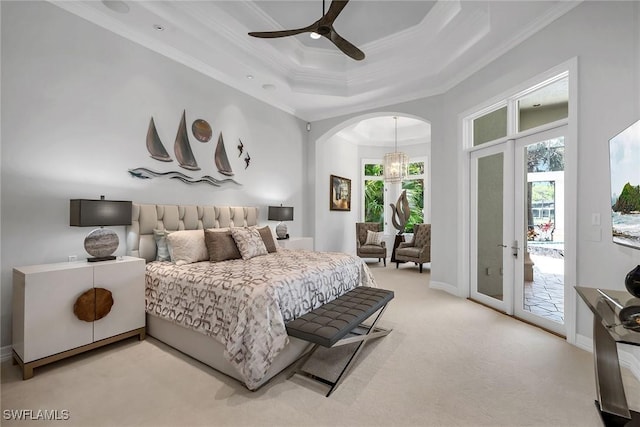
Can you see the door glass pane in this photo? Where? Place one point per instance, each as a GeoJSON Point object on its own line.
{"type": "Point", "coordinates": [489, 127]}
{"type": "Point", "coordinates": [544, 210]}
{"type": "Point", "coordinates": [374, 200]}
{"type": "Point", "coordinates": [546, 105]}
{"type": "Point", "coordinates": [490, 236]}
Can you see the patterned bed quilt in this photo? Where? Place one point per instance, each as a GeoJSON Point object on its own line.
{"type": "Point", "coordinates": [244, 304]}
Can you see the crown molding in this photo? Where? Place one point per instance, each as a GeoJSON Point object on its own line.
{"type": "Point", "coordinates": [222, 50]}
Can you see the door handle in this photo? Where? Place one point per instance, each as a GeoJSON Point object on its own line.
{"type": "Point", "coordinates": [502, 246]}
{"type": "Point", "coordinates": [515, 249]}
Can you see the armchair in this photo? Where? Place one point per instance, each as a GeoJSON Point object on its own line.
{"type": "Point", "coordinates": [365, 250]}
{"type": "Point", "coordinates": [418, 250]}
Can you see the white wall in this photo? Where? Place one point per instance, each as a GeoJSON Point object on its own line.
{"type": "Point", "coordinates": [335, 230]}
{"type": "Point", "coordinates": [76, 103]}
{"type": "Point", "coordinates": [605, 37]}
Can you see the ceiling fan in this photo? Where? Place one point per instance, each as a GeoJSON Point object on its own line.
{"type": "Point", "coordinates": [322, 27]}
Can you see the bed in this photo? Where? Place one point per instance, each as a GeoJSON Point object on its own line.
{"type": "Point", "coordinates": [231, 314]}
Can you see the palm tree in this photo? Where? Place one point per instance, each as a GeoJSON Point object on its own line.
{"type": "Point", "coordinates": [374, 201]}
{"type": "Point", "coordinates": [415, 194]}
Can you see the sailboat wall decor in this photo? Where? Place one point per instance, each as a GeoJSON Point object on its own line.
{"type": "Point", "coordinates": [182, 148]}
{"type": "Point", "coordinates": [221, 159]}
{"type": "Point", "coordinates": [185, 157]}
{"type": "Point", "coordinates": [155, 146]}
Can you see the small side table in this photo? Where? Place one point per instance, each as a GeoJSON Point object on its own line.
{"type": "Point", "coordinates": [607, 331]}
{"type": "Point", "coordinates": [297, 243]}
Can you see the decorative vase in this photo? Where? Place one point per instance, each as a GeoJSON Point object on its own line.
{"type": "Point", "coordinates": [632, 281]}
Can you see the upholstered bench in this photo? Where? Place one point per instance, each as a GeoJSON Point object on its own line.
{"type": "Point", "coordinates": [339, 322]}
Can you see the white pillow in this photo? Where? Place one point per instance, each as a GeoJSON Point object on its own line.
{"type": "Point", "coordinates": [249, 242]}
{"type": "Point", "coordinates": [187, 246]}
{"type": "Point", "coordinates": [374, 238]}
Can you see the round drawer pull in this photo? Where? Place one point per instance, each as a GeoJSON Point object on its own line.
{"type": "Point", "coordinates": [93, 304]}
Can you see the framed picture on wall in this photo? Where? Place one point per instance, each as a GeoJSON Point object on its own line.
{"type": "Point", "coordinates": [339, 193]}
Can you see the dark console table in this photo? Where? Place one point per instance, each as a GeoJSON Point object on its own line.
{"type": "Point", "coordinates": [607, 331]}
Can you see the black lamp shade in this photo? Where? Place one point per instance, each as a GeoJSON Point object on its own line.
{"type": "Point", "coordinates": [91, 213]}
{"type": "Point", "coordinates": [280, 213]}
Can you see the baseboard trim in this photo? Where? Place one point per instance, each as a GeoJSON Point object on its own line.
{"type": "Point", "coordinates": [5, 353]}
{"type": "Point", "coordinates": [626, 354]}
{"type": "Point", "coordinates": [453, 290]}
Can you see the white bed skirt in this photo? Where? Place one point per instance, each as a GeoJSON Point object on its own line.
{"type": "Point", "coordinates": [210, 352]}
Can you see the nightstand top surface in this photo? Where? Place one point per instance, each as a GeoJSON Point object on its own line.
{"type": "Point", "coordinates": [31, 269]}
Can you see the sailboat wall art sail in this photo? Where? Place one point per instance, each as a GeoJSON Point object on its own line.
{"type": "Point", "coordinates": [184, 155]}
{"type": "Point", "coordinates": [182, 148]}
{"type": "Point", "coordinates": [221, 159]}
{"type": "Point", "coordinates": [154, 145]}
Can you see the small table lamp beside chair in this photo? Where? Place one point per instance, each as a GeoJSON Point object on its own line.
{"type": "Point", "coordinates": [369, 243]}
{"type": "Point", "coordinates": [418, 250]}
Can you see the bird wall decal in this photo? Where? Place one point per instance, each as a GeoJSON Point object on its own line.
{"type": "Point", "coordinates": [240, 147]}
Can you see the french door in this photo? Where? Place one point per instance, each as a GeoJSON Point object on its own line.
{"type": "Point", "coordinates": [516, 228]}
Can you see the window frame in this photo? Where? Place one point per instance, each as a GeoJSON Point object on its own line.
{"type": "Point", "coordinates": [388, 187]}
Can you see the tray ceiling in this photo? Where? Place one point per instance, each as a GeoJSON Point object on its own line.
{"type": "Point", "coordinates": [413, 48]}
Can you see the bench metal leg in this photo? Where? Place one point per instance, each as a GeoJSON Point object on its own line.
{"type": "Point", "coordinates": [372, 332]}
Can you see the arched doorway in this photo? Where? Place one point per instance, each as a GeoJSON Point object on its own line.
{"type": "Point", "coordinates": [344, 151]}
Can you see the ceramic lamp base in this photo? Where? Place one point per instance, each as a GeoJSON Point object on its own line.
{"type": "Point", "coordinates": [281, 231]}
{"type": "Point", "coordinates": [101, 243]}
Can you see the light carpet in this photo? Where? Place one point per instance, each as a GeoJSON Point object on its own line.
{"type": "Point", "coordinates": [448, 362]}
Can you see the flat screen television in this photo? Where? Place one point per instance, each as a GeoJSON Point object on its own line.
{"type": "Point", "coordinates": [624, 158]}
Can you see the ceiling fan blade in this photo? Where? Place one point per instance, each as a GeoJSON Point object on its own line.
{"type": "Point", "coordinates": [334, 10]}
{"type": "Point", "coordinates": [345, 46]}
{"type": "Point", "coordinates": [283, 33]}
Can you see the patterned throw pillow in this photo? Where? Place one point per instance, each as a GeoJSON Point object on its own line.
{"type": "Point", "coordinates": [162, 251]}
{"type": "Point", "coordinates": [220, 245]}
{"type": "Point", "coordinates": [187, 246]}
{"type": "Point", "coordinates": [249, 242]}
{"type": "Point", "coordinates": [374, 238]}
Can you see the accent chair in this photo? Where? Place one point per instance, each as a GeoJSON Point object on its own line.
{"type": "Point", "coordinates": [418, 250]}
{"type": "Point", "coordinates": [365, 250]}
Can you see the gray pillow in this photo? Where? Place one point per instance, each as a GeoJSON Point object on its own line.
{"type": "Point", "coordinates": [267, 238]}
{"type": "Point", "coordinates": [220, 245]}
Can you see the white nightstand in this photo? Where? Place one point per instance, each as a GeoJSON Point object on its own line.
{"type": "Point", "coordinates": [46, 298]}
{"type": "Point", "coordinates": [297, 243]}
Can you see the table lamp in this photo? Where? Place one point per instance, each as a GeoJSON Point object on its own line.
{"type": "Point", "coordinates": [281, 213]}
{"type": "Point", "coordinates": [101, 243]}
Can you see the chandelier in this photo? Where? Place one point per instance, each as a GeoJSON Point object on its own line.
{"type": "Point", "coordinates": [396, 164]}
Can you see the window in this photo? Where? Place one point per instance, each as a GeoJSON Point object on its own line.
{"type": "Point", "coordinates": [373, 202]}
{"type": "Point", "coordinates": [375, 206]}
{"type": "Point", "coordinates": [539, 105]}
{"type": "Point", "coordinates": [490, 126]}
{"type": "Point", "coordinates": [415, 193]}
{"type": "Point", "coordinates": [547, 104]}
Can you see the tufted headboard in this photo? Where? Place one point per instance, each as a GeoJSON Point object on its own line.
{"type": "Point", "coordinates": [146, 218]}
